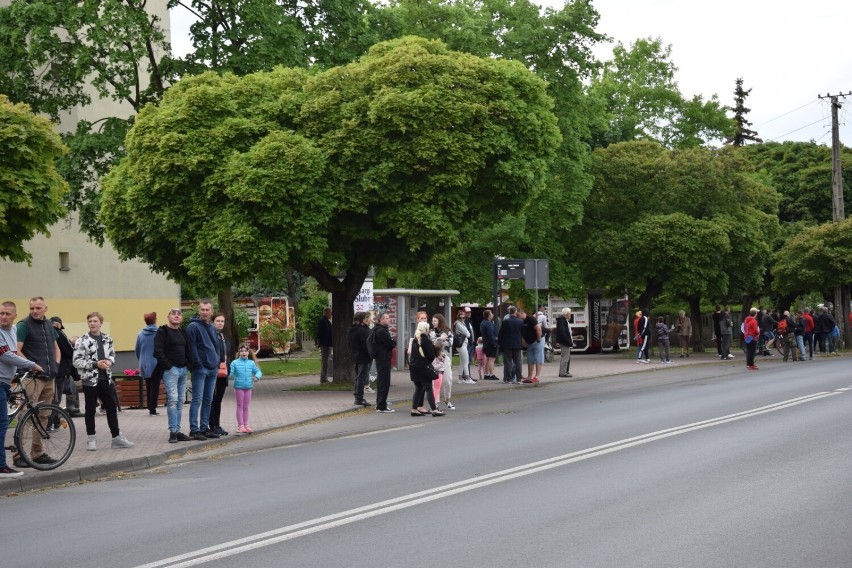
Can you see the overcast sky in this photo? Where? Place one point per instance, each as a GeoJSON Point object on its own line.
{"type": "Point", "coordinates": [787, 52]}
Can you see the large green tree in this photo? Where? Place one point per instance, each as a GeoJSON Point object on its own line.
{"type": "Point", "coordinates": [817, 259]}
{"type": "Point", "coordinates": [801, 171]}
{"type": "Point", "coordinates": [638, 98]}
{"type": "Point", "coordinates": [557, 45]}
{"type": "Point", "coordinates": [695, 223]}
{"type": "Point", "coordinates": [31, 190]}
{"type": "Point", "coordinates": [330, 173]}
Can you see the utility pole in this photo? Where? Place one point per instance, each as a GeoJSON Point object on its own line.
{"type": "Point", "coordinates": [841, 297]}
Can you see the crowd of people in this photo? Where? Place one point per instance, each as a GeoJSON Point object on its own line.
{"type": "Point", "coordinates": [430, 354]}
{"type": "Point", "coordinates": [167, 354]}
{"type": "Point", "coordinates": [172, 354]}
{"type": "Point", "coordinates": [796, 335]}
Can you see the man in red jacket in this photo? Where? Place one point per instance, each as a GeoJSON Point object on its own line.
{"type": "Point", "coordinates": [808, 319]}
{"type": "Point", "coordinates": [751, 335]}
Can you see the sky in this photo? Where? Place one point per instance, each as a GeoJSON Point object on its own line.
{"type": "Point", "coordinates": [787, 52]}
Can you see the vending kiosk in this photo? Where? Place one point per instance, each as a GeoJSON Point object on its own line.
{"type": "Point", "coordinates": [600, 324]}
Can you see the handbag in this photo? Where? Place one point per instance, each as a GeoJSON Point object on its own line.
{"type": "Point", "coordinates": [223, 370]}
{"type": "Point", "coordinates": [431, 368]}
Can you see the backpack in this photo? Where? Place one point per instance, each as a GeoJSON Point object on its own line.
{"type": "Point", "coordinates": [372, 343]}
{"type": "Point", "coordinates": [782, 326]}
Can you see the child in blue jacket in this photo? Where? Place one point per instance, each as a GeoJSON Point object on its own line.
{"type": "Point", "coordinates": [244, 373]}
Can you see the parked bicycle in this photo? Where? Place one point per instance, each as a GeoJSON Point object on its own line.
{"type": "Point", "coordinates": [38, 420]}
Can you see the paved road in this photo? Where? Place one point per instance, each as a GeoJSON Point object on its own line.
{"type": "Point", "coordinates": [691, 467]}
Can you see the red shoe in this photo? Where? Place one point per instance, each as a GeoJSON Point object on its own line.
{"type": "Point", "coordinates": [752, 367]}
{"type": "Point", "coordinates": [535, 379]}
{"type": "Point", "coordinates": [527, 381]}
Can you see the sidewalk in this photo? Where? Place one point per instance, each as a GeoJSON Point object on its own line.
{"type": "Point", "coordinates": [274, 405]}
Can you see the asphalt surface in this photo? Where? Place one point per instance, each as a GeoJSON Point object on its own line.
{"type": "Point", "coordinates": [276, 407]}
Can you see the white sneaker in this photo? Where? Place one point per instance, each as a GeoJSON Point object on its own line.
{"type": "Point", "coordinates": [91, 443]}
{"type": "Point", "coordinates": [450, 406]}
{"type": "Point", "coordinates": [121, 441]}
{"type": "Point", "coordinates": [369, 390]}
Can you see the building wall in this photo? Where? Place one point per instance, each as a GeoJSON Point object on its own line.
{"type": "Point", "coordinates": [95, 278]}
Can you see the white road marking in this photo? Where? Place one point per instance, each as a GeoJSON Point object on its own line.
{"type": "Point", "coordinates": [290, 532]}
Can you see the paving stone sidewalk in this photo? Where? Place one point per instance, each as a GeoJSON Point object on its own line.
{"type": "Point", "coordinates": [274, 405]}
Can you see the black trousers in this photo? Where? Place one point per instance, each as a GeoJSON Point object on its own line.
{"type": "Point", "coordinates": [216, 405]}
{"type": "Point", "coordinates": [104, 392]}
{"type": "Point", "coordinates": [153, 392]}
{"type": "Point", "coordinates": [423, 390]}
{"type": "Point", "coordinates": [383, 376]}
{"type": "Point", "coordinates": [362, 375]}
{"type": "Point", "coordinates": [751, 350]}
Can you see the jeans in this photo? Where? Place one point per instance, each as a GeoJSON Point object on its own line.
{"type": "Point", "coordinates": [325, 353]}
{"type": "Point", "coordinates": [175, 382]}
{"type": "Point", "coordinates": [809, 341]}
{"type": "Point", "coordinates": [800, 343]}
{"type": "Point", "coordinates": [203, 385]}
{"type": "Point", "coordinates": [4, 418]}
{"type": "Point", "coordinates": [663, 343]}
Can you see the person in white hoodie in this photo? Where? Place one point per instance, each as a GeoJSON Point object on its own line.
{"type": "Point", "coordinates": [10, 361]}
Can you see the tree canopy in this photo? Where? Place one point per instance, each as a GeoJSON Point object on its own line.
{"type": "Point", "coordinates": [694, 222]}
{"type": "Point", "coordinates": [31, 189]}
{"type": "Point", "coordinates": [817, 259]}
{"type": "Point", "coordinates": [332, 172]}
{"type": "Point", "coordinates": [638, 99]}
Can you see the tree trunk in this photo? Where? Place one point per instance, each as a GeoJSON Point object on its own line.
{"type": "Point", "coordinates": [652, 290]}
{"type": "Point", "coordinates": [292, 294]}
{"type": "Point", "coordinates": [226, 306]}
{"type": "Point", "coordinates": [343, 294]}
{"type": "Point", "coordinates": [695, 316]}
{"type": "Point", "coordinates": [747, 300]}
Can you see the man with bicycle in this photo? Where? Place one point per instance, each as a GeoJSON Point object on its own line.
{"type": "Point", "coordinates": [37, 342]}
{"type": "Point", "coordinates": [10, 361]}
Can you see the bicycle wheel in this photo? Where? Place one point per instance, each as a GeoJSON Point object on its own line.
{"type": "Point", "coordinates": [15, 400]}
{"type": "Point", "coordinates": [57, 443]}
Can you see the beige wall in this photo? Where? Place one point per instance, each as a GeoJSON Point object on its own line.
{"type": "Point", "coordinates": [96, 279]}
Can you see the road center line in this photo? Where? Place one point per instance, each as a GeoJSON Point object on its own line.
{"type": "Point", "coordinates": [290, 532]}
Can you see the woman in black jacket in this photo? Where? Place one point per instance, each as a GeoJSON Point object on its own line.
{"type": "Point", "coordinates": [421, 370]}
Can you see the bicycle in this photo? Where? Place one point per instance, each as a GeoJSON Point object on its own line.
{"type": "Point", "coordinates": [548, 351]}
{"type": "Point", "coordinates": [14, 399]}
{"type": "Point", "coordinates": [58, 442]}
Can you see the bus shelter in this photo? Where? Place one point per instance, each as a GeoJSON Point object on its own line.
{"type": "Point", "coordinates": [401, 304]}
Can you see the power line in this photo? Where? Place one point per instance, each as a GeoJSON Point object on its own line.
{"type": "Point", "coordinates": [786, 113]}
{"type": "Point", "coordinates": [796, 130]}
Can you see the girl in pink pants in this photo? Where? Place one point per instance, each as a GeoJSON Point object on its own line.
{"type": "Point", "coordinates": [244, 373]}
